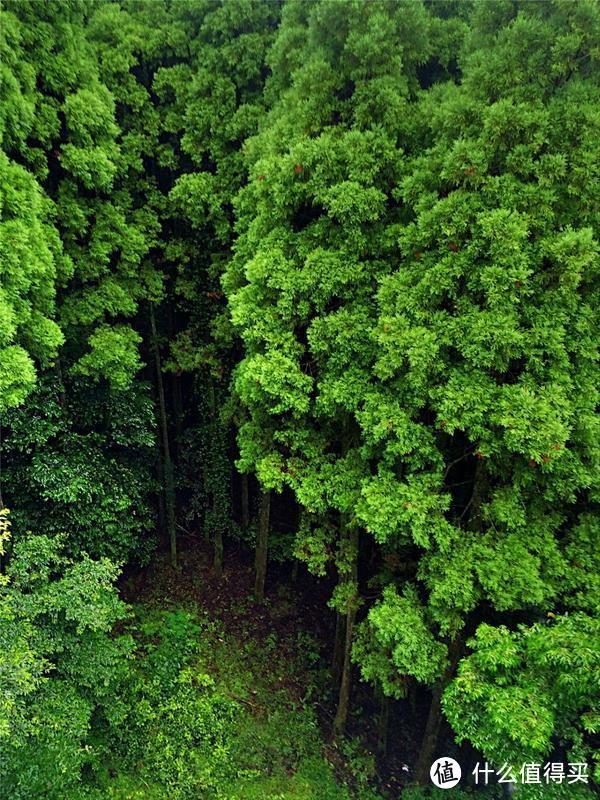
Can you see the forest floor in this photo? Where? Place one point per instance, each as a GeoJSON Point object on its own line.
{"type": "Point", "coordinates": [270, 658]}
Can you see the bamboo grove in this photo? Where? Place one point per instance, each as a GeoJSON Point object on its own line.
{"type": "Point", "coordinates": [321, 280]}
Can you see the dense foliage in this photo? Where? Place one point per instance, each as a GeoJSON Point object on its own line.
{"type": "Point", "coordinates": [317, 280]}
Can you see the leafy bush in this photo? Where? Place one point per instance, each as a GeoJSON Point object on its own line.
{"type": "Point", "coordinates": [178, 726]}
{"type": "Point", "coordinates": [61, 668]}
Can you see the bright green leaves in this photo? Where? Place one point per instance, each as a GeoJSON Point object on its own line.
{"type": "Point", "coordinates": [465, 402]}
{"type": "Point", "coordinates": [581, 582]}
{"type": "Point", "coordinates": [481, 326]}
{"type": "Point", "coordinates": [395, 642]}
{"type": "Point", "coordinates": [314, 542]}
{"type": "Point", "coordinates": [84, 595]}
{"type": "Point", "coordinates": [85, 150]}
{"type": "Point", "coordinates": [194, 196]}
{"type": "Point", "coordinates": [22, 667]}
{"type": "Point", "coordinates": [536, 421]}
{"type": "Point", "coordinates": [345, 597]}
{"type": "Point", "coordinates": [17, 376]}
{"type": "Point", "coordinates": [91, 153]}
{"type": "Point", "coordinates": [574, 257]}
{"type": "Point", "coordinates": [408, 509]}
{"type": "Point", "coordinates": [350, 203]}
{"type": "Point", "coordinates": [31, 264]}
{"type": "Point", "coordinates": [8, 326]}
{"type": "Point", "coordinates": [518, 689]}
{"type": "Point", "coordinates": [113, 355]}
{"type": "Point", "coordinates": [16, 84]}
{"type": "Point", "coordinates": [274, 382]}
{"type": "Point", "coordinates": [312, 225]}
{"type": "Point", "coordinates": [55, 616]}
{"type": "Point", "coordinates": [384, 421]}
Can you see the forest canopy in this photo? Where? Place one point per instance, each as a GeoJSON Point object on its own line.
{"type": "Point", "coordinates": [299, 390]}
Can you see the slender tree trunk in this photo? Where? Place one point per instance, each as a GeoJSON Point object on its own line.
{"type": "Point", "coordinates": [262, 544]}
{"type": "Point", "coordinates": [169, 482]}
{"type": "Point", "coordinates": [177, 400]}
{"type": "Point", "coordinates": [341, 715]}
{"type": "Point", "coordinates": [383, 726]}
{"type": "Point", "coordinates": [337, 658]}
{"type": "Point", "coordinates": [295, 567]}
{"type": "Point", "coordinates": [176, 395]}
{"type": "Point", "coordinates": [434, 719]}
{"type": "Point", "coordinates": [216, 491]}
{"type": "Point", "coordinates": [430, 737]}
{"type": "Point", "coordinates": [162, 514]}
{"type": "Point", "coordinates": [245, 502]}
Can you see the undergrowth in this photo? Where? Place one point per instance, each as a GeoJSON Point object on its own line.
{"type": "Point", "coordinates": [215, 716]}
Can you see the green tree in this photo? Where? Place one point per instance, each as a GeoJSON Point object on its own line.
{"type": "Point", "coordinates": [521, 691]}
{"type": "Point", "coordinates": [32, 264]}
{"type": "Point", "coordinates": [72, 240]}
{"type": "Point", "coordinates": [482, 416]}
{"type": "Point", "coordinates": [314, 239]}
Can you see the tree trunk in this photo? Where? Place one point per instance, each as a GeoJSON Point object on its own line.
{"type": "Point", "coordinates": [337, 658]}
{"type": "Point", "coordinates": [169, 482]}
{"type": "Point", "coordinates": [162, 513]}
{"type": "Point", "coordinates": [245, 502]}
{"type": "Point", "coordinates": [434, 719]}
{"type": "Point", "coordinates": [383, 726]}
{"type": "Point", "coordinates": [176, 394]}
{"type": "Point", "coordinates": [430, 738]}
{"type": "Point", "coordinates": [216, 490]}
{"type": "Point", "coordinates": [262, 544]}
{"type": "Point", "coordinates": [341, 714]}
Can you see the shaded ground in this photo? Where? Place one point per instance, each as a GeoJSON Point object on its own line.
{"type": "Point", "coordinates": [291, 626]}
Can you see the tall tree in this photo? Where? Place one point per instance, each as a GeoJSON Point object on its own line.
{"type": "Point", "coordinates": [482, 416]}
{"type": "Point", "coordinates": [316, 227]}
{"type": "Point", "coordinates": [66, 126]}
